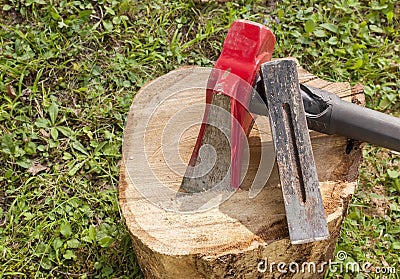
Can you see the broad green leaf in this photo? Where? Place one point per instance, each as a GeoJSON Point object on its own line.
{"type": "Point", "coordinates": [8, 174]}
{"type": "Point", "coordinates": [19, 152]}
{"type": "Point", "coordinates": [394, 207]}
{"type": "Point", "coordinates": [75, 168]}
{"type": "Point", "coordinates": [42, 123]}
{"type": "Point", "coordinates": [110, 149]}
{"type": "Point", "coordinates": [376, 29]}
{"type": "Point", "coordinates": [87, 131]}
{"type": "Point", "coordinates": [320, 33]}
{"type": "Point", "coordinates": [53, 144]}
{"type": "Point", "coordinates": [309, 26]}
{"type": "Point", "coordinates": [7, 144]}
{"type": "Point", "coordinates": [69, 255]}
{"type": "Point", "coordinates": [107, 271]}
{"type": "Point", "coordinates": [77, 203]}
{"type": "Point", "coordinates": [333, 41]}
{"type": "Point", "coordinates": [377, 6]}
{"type": "Point", "coordinates": [86, 239]}
{"type": "Point", "coordinates": [116, 20]}
{"type": "Point", "coordinates": [353, 215]}
{"type": "Point", "coordinates": [54, 133]}
{"type": "Point", "coordinates": [97, 265]}
{"type": "Point", "coordinates": [358, 64]}
{"type": "Point", "coordinates": [55, 16]}
{"type": "Point", "coordinates": [22, 118]}
{"type": "Point", "coordinates": [53, 112]}
{"type": "Point", "coordinates": [331, 27]}
{"type": "Point", "coordinates": [309, 10]}
{"type": "Point", "coordinates": [41, 148]}
{"type": "Point", "coordinates": [393, 173]}
{"type": "Point", "coordinates": [57, 243]}
{"type": "Point", "coordinates": [108, 26]}
{"type": "Point", "coordinates": [126, 83]}
{"type": "Point", "coordinates": [384, 103]}
{"type": "Point", "coordinates": [25, 163]}
{"type": "Point", "coordinates": [96, 70]}
{"type": "Point", "coordinates": [67, 156]}
{"type": "Point", "coordinates": [78, 146]}
{"type": "Point", "coordinates": [28, 216]}
{"type": "Point", "coordinates": [109, 10]}
{"type": "Point", "coordinates": [396, 245]}
{"type": "Point", "coordinates": [6, 7]}
{"type": "Point", "coordinates": [85, 14]}
{"type": "Point", "coordinates": [358, 46]}
{"type": "Point", "coordinates": [390, 16]}
{"type": "Point", "coordinates": [30, 148]}
{"type": "Point", "coordinates": [397, 184]}
{"type": "Point", "coordinates": [106, 241]}
{"type": "Point", "coordinates": [281, 14]}
{"type": "Point", "coordinates": [353, 3]}
{"type": "Point", "coordinates": [45, 263]}
{"type": "Point", "coordinates": [376, 196]}
{"type": "Point", "coordinates": [395, 230]}
{"type": "Point", "coordinates": [92, 233]}
{"type": "Point", "coordinates": [65, 229]}
{"type": "Point", "coordinates": [73, 243]}
{"type": "Point", "coordinates": [303, 40]}
{"type": "Point", "coordinates": [295, 33]}
{"type": "Point", "coordinates": [66, 131]}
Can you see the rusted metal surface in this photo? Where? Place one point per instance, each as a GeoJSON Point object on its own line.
{"type": "Point", "coordinates": [298, 175]}
{"type": "Point", "coordinates": [213, 168]}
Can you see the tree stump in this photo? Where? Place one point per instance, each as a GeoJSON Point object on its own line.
{"type": "Point", "coordinates": [242, 236]}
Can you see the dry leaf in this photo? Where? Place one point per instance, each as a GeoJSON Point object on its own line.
{"type": "Point", "coordinates": [10, 91]}
{"type": "Point", "coordinates": [36, 169]}
{"type": "Point", "coordinates": [44, 133]}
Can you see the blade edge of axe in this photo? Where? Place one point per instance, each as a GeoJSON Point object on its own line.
{"type": "Point", "coordinates": [207, 173]}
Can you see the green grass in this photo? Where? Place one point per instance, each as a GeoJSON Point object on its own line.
{"type": "Point", "coordinates": [69, 70]}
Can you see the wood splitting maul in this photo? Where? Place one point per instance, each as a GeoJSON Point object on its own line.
{"type": "Point", "coordinates": [292, 108]}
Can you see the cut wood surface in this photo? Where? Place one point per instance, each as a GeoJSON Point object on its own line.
{"type": "Point", "coordinates": [216, 235]}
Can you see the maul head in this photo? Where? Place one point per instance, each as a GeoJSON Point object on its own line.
{"type": "Point", "coordinates": [246, 47]}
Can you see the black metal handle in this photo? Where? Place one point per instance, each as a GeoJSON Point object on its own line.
{"type": "Point", "coordinates": [327, 113]}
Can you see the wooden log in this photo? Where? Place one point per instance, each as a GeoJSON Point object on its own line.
{"type": "Point", "coordinates": [237, 236]}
